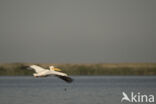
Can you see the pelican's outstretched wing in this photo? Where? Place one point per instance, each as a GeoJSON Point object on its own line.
{"type": "Point", "coordinates": [65, 78]}
{"type": "Point", "coordinates": [37, 69]}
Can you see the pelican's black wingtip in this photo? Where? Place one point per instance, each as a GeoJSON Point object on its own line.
{"type": "Point", "coordinates": [66, 78]}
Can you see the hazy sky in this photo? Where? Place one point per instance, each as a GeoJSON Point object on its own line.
{"type": "Point", "coordinates": [78, 31]}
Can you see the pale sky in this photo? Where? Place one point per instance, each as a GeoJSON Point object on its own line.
{"type": "Point", "coordinates": [77, 31]}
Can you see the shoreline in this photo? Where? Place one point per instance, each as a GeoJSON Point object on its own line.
{"type": "Point", "coordinates": [111, 69]}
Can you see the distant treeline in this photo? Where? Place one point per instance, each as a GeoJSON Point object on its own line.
{"type": "Point", "coordinates": [84, 69]}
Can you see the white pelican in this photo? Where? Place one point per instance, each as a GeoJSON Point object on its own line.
{"type": "Point", "coordinates": [42, 72]}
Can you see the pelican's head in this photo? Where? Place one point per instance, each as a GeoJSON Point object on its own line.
{"type": "Point", "coordinates": [51, 67]}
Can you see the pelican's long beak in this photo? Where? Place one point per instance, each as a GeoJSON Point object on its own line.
{"type": "Point", "coordinates": [57, 69]}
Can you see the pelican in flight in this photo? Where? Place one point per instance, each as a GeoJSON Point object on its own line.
{"type": "Point", "coordinates": [42, 72]}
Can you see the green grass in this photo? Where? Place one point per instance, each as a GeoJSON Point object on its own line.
{"type": "Point", "coordinates": [85, 69]}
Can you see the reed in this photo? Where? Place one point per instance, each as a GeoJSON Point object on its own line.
{"type": "Point", "coordinates": [16, 69]}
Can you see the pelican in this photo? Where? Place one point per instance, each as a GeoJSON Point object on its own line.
{"type": "Point", "coordinates": [42, 72]}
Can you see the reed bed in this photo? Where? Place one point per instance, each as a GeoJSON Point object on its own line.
{"type": "Point", "coordinates": [17, 69]}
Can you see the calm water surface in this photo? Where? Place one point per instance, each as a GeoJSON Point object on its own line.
{"type": "Point", "coordinates": [84, 89]}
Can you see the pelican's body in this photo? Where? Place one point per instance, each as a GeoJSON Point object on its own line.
{"type": "Point", "coordinates": [42, 72]}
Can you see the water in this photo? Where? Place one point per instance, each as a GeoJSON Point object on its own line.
{"type": "Point", "coordinates": [84, 89]}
